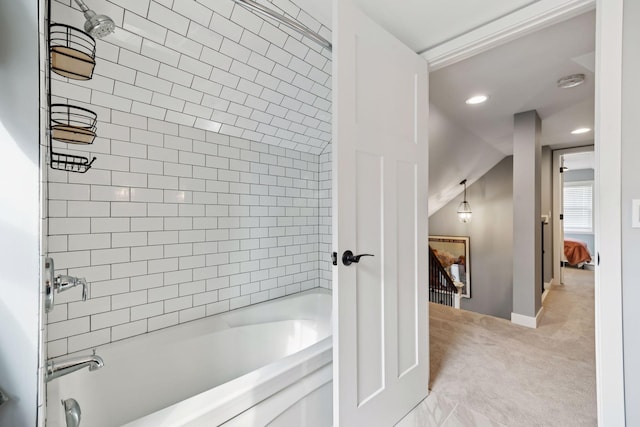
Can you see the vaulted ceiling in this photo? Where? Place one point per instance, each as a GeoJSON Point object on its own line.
{"type": "Point", "coordinates": [468, 140]}
{"type": "Point", "coordinates": [522, 75]}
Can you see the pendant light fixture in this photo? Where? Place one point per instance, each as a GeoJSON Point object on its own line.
{"type": "Point", "coordinates": [464, 209]}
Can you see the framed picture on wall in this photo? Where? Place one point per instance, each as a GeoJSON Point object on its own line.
{"type": "Point", "coordinates": [453, 254]}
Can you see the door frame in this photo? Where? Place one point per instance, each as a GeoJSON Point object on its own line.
{"type": "Point", "coordinates": [558, 247]}
{"type": "Point", "coordinates": [608, 180]}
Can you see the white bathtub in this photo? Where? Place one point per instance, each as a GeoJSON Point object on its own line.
{"type": "Point", "coordinates": [268, 364]}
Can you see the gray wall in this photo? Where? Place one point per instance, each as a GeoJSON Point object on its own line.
{"type": "Point", "coordinates": [575, 176]}
{"type": "Point", "coordinates": [445, 138]}
{"type": "Point", "coordinates": [491, 239]}
{"type": "Point", "coordinates": [527, 259]}
{"type": "Point", "coordinates": [631, 190]}
{"type": "Point", "coordinates": [19, 218]}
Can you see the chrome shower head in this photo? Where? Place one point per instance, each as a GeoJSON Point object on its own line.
{"type": "Point", "coordinates": [97, 25]}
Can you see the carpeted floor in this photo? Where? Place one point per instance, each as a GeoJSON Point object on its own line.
{"type": "Point", "coordinates": [516, 376]}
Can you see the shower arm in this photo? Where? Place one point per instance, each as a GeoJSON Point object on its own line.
{"type": "Point", "coordinates": [257, 7]}
{"type": "Point", "coordinates": [83, 7]}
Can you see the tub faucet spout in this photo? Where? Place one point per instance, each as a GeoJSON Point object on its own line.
{"type": "Point", "coordinates": [63, 367]}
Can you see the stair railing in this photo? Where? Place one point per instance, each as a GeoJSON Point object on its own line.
{"type": "Point", "coordinates": [442, 290]}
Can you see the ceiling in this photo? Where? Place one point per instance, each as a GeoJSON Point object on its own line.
{"type": "Point", "coordinates": [521, 76]}
{"type": "Point", "coordinates": [467, 141]}
{"type": "Point", "coordinates": [423, 24]}
{"type": "Point", "coordinates": [518, 76]}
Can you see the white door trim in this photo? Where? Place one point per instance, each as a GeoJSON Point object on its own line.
{"type": "Point", "coordinates": [608, 181]}
{"type": "Point", "coordinates": [527, 20]}
{"type": "Point", "coordinates": [608, 130]}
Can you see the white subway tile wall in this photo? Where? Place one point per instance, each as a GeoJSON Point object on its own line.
{"type": "Point", "coordinates": [209, 191]}
{"type": "Point", "coordinates": [212, 65]}
{"type": "Point", "coordinates": [243, 230]}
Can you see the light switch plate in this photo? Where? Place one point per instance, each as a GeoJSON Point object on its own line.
{"type": "Point", "coordinates": [635, 213]}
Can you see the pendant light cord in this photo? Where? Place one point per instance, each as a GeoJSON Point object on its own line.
{"type": "Point", "coordinates": [464, 182]}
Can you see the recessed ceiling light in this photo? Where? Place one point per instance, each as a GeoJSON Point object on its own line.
{"type": "Point", "coordinates": [580, 131]}
{"type": "Point", "coordinates": [573, 80]}
{"type": "Point", "coordinates": [478, 99]}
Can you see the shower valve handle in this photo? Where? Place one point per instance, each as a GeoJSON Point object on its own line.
{"type": "Point", "coordinates": [349, 258]}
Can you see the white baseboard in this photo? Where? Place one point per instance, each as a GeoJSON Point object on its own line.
{"type": "Point", "coordinates": [545, 294]}
{"type": "Point", "coordinates": [527, 321]}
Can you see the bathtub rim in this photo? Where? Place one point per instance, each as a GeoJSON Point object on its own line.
{"type": "Point", "coordinates": [236, 396]}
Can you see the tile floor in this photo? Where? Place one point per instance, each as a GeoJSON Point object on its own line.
{"type": "Point", "coordinates": [438, 411]}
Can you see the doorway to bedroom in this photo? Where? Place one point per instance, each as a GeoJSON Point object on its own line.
{"type": "Point", "coordinates": [575, 241]}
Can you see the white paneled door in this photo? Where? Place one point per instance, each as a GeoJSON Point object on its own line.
{"type": "Point", "coordinates": [380, 155]}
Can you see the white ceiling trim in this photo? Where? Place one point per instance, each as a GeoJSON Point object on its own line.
{"type": "Point", "coordinates": [517, 24]}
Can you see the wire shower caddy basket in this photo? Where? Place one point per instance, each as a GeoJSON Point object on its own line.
{"type": "Point", "coordinates": [72, 55]}
{"type": "Point", "coordinates": [72, 52]}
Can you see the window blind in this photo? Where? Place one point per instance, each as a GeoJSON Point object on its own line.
{"type": "Point", "coordinates": [578, 207]}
